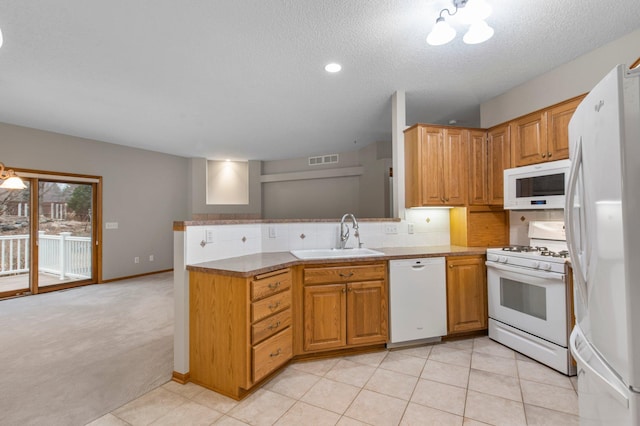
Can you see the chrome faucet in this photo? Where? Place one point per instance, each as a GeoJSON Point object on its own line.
{"type": "Point", "coordinates": [344, 230]}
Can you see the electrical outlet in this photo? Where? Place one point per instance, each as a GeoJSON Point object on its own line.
{"type": "Point", "coordinates": [410, 228]}
{"type": "Point", "coordinates": [272, 232]}
{"type": "Point", "coordinates": [151, 258]}
{"type": "Point", "coordinates": [208, 236]}
{"type": "Point", "coordinates": [391, 228]}
{"type": "Point", "coordinates": [136, 260]}
{"type": "Point", "coordinates": [111, 225]}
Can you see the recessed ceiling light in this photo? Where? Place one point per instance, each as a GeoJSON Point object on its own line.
{"type": "Point", "coordinates": [333, 67]}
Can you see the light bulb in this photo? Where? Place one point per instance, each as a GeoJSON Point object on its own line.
{"type": "Point", "coordinates": [474, 11]}
{"type": "Point", "coordinates": [478, 33]}
{"type": "Point", "coordinates": [442, 33]}
{"type": "Point", "coordinates": [0, 37]}
{"type": "Point", "coordinates": [13, 182]}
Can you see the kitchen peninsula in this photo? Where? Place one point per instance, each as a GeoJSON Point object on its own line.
{"type": "Point", "coordinates": [248, 316]}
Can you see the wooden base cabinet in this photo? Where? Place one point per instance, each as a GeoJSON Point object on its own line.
{"type": "Point", "coordinates": [466, 294]}
{"type": "Point", "coordinates": [344, 306]}
{"type": "Point", "coordinates": [239, 329]}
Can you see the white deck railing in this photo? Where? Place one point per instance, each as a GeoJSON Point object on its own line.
{"type": "Point", "coordinates": [62, 255]}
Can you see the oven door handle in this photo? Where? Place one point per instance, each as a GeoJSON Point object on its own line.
{"type": "Point", "coordinates": [524, 271]}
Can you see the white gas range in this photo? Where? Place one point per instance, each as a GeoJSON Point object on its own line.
{"type": "Point", "coordinates": [528, 296]}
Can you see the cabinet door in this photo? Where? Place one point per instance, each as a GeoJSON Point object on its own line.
{"type": "Point", "coordinates": [466, 294]}
{"type": "Point", "coordinates": [431, 166]}
{"type": "Point", "coordinates": [558, 130]}
{"type": "Point", "coordinates": [478, 168]}
{"type": "Point", "coordinates": [455, 166]}
{"type": "Point", "coordinates": [412, 168]}
{"type": "Point", "coordinates": [325, 317]}
{"type": "Point", "coordinates": [498, 159]}
{"type": "Point", "coordinates": [367, 310]}
{"type": "Point", "coordinates": [529, 139]}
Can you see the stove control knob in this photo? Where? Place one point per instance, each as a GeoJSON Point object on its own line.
{"type": "Point", "coordinates": [535, 264]}
{"type": "Point", "coordinates": [502, 259]}
{"type": "Point", "coordinates": [545, 266]}
{"type": "Point", "coordinates": [492, 257]}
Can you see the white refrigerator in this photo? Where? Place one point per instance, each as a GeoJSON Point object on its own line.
{"type": "Point", "coordinates": [602, 217]}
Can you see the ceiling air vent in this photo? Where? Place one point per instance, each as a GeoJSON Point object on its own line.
{"type": "Point", "coordinates": [323, 159]}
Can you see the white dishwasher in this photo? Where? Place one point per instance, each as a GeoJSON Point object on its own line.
{"type": "Point", "coordinates": [417, 300]}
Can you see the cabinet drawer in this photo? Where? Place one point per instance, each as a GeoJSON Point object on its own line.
{"type": "Point", "coordinates": [270, 326]}
{"type": "Point", "coordinates": [265, 307]}
{"type": "Point", "coordinates": [272, 353]}
{"type": "Point", "coordinates": [261, 288]}
{"type": "Point", "coordinates": [337, 274]}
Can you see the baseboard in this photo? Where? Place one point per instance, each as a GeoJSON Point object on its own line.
{"type": "Point", "coordinates": [182, 378]}
{"type": "Point", "coordinates": [134, 276]}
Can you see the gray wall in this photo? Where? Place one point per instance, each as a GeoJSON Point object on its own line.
{"type": "Point", "coordinates": [197, 199]}
{"type": "Point", "coordinates": [143, 191]}
{"type": "Point", "coordinates": [366, 195]}
{"type": "Point", "coordinates": [374, 192]}
{"type": "Point", "coordinates": [567, 81]}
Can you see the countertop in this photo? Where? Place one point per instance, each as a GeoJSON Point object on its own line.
{"type": "Point", "coordinates": [260, 263]}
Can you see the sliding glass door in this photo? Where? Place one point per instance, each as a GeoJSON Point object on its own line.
{"type": "Point", "coordinates": [65, 241]}
{"type": "Point", "coordinates": [15, 241]}
{"type": "Point", "coordinates": [48, 234]}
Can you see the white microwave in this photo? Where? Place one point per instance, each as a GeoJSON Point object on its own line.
{"type": "Point", "coordinates": [539, 186]}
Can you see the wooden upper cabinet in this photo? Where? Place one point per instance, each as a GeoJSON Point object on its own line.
{"type": "Point", "coordinates": [543, 135]}
{"type": "Point", "coordinates": [435, 166]}
{"type": "Point", "coordinates": [529, 137]}
{"type": "Point", "coordinates": [430, 165]}
{"type": "Point", "coordinates": [558, 118]}
{"type": "Point", "coordinates": [478, 168]}
{"type": "Point", "coordinates": [498, 159]}
{"type": "Point", "coordinates": [455, 166]}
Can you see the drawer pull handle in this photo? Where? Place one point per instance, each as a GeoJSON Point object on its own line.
{"type": "Point", "coordinates": [274, 326]}
{"type": "Point", "coordinates": [275, 305]}
{"type": "Point", "coordinates": [276, 353]}
{"type": "Point", "coordinates": [274, 286]}
{"type": "Point", "coordinates": [349, 275]}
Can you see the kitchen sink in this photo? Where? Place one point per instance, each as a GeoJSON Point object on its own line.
{"type": "Point", "coordinates": [335, 253]}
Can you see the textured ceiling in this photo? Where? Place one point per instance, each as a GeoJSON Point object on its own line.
{"type": "Point", "coordinates": [244, 79]}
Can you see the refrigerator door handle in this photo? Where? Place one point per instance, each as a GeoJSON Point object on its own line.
{"type": "Point", "coordinates": [576, 164]}
{"type": "Point", "coordinates": [577, 352]}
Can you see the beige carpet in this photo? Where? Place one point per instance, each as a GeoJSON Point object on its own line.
{"type": "Point", "coordinates": [68, 357]}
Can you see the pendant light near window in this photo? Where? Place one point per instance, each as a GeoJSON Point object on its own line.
{"type": "Point", "coordinates": [472, 13]}
{"type": "Point", "coordinates": [11, 181]}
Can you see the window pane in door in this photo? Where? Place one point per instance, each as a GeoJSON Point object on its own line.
{"type": "Point", "coordinates": [65, 232]}
{"type": "Point", "coordinates": [15, 250]}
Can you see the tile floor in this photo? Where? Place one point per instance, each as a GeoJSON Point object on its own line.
{"type": "Point", "coordinates": [467, 382]}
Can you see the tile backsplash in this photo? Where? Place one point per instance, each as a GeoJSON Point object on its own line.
{"type": "Point", "coordinates": [424, 227]}
{"type": "Point", "coordinates": [519, 223]}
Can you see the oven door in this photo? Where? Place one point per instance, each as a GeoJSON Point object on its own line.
{"type": "Point", "coordinates": [533, 301]}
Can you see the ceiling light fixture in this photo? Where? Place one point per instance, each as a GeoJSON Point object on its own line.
{"type": "Point", "coordinates": [11, 181]}
{"type": "Point", "coordinates": [333, 67]}
{"type": "Point", "coordinates": [472, 13]}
